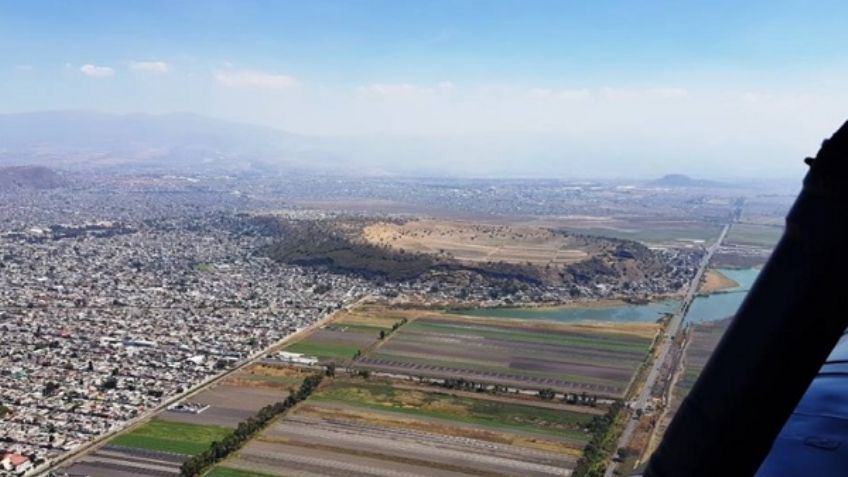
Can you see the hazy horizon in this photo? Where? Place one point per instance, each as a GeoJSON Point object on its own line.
{"type": "Point", "coordinates": [539, 89]}
{"type": "Point", "coordinates": [52, 137]}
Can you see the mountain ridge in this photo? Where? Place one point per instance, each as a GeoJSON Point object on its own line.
{"type": "Point", "coordinates": [174, 140]}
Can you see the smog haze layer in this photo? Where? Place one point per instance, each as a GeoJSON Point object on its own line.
{"type": "Point", "coordinates": [454, 88]}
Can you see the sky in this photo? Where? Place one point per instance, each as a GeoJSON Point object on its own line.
{"type": "Point", "coordinates": [719, 88]}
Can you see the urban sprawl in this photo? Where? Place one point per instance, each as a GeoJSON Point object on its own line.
{"type": "Point", "coordinates": [119, 296]}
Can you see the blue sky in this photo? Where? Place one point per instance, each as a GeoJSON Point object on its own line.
{"type": "Point", "coordinates": [725, 74]}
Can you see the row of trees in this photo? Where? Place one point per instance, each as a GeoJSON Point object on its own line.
{"type": "Point", "coordinates": [604, 429]}
{"type": "Point", "coordinates": [547, 394]}
{"type": "Point", "coordinates": [463, 384]}
{"type": "Point", "coordinates": [218, 450]}
{"type": "Point", "coordinates": [384, 333]}
{"type": "Point", "coordinates": [581, 399]}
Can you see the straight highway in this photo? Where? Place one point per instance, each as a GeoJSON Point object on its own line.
{"type": "Point", "coordinates": [664, 351]}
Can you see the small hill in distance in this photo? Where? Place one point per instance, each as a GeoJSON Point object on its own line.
{"type": "Point", "coordinates": [680, 180]}
{"type": "Point", "coordinates": [29, 177]}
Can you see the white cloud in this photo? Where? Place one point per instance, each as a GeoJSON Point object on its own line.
{"type": "Point", "coordinates": [564, 94]}
{"type": "Point", "coordinates": [573, 94]}
{"type": "Point", "coordinates": [382, 89]}
{"type": "Point", "coordinates": [539, 93]}
{"type": "Point", "coordinates": [97, 71]}
{"type": "Point", "coordinates": [650, 94]}
{"type": "Point", "coordinates": [669, 93]}
{"type": "Point", "coordinates": [404, 89]}
{"type": "Point", "coordinates": [157, 67]}
{"type": "Point", "coordinates": [254, 79]}
{"type": "Point", "coordinates": [23, 68]}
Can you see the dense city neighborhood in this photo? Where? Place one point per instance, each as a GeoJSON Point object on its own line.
{"type": "Point", "coordinates": [102, 322]}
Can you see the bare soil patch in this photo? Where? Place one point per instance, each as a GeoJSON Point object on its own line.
{"type": "Point", "coordinates": [229, 404]}
{"type": "Point", "coordinates": [479, 242]}
{"type": "Point", "coordinates": [715, 281]}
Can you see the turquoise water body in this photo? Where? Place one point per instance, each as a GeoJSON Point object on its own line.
{"type": "Point", "coordinates": [704, 308]}
{"type": "Point", "coordinates": [723, 304]}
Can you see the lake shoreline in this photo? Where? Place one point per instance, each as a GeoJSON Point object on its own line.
{"type": "Point", "coordinates": [724, 301]}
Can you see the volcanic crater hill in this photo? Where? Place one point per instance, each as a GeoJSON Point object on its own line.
{"type": "Point", "coordinates": [683, 181]}
{"type": "Point", "coordinates": [29, 177]}
{"type": "Point", "coordinates": [341, 247]}
{"type": "Point", "coordinates": [328, 245]}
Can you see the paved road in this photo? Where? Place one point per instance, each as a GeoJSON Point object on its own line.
{"type": "Point", "coordinates": [665, 345]}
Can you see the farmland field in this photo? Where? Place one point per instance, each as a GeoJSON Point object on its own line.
{"type": "Point", "coordinates": [228, 404]}
{"type": "Point", "coordinates": [160, 446]}
{"type": "Point", "coordinates": [115, 461]}
{"type": "Point", "coordinates": [355, 428]}
{"type": "Point", "coordinates": [703, 340]}
{"type": "Point", "coordinates": [442, 405]}
{"type": "Point", "coordinates": [597, 359]}
{"type": "Point", "coordinates": [595, 312]}
{"type": "Point", "coordinates": [155, 449]}
{"type": "Point", "coordinates": [321, 345]}
{"type": "Point", "coordinates": [172, 437]}
{"type": "Point", "coordinates": [649, 231]}
{"type": "Point", "coordinates": [705, 337]}
{"type": "Point", "coordinates": [351, 331]}
{"type": "Point", "coordinates": [240, 395]}
{"type": "Point", "coordinates": [755, 234]}
{"type": "Point", "coordinates": [230, 472]}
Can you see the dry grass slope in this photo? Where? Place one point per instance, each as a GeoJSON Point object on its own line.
{"type": "Point", "coordinates": [480, 242]}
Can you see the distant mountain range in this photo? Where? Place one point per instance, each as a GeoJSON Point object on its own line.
{"type": "Point", "coordinates": [28, 177]}
{"type": "Point", "coordinates": [144, 141]}
{"type": "Point", "coordinates": [188, 143]}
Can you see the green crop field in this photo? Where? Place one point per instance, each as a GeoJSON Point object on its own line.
{"type": "Point", "coordinates": [491, 414]}
{"type": "Point", "coordinates": [350, 331]}
{"type": "Point", "coordinates": [652, 232]}
{"type": "Point", "coordinates": [755, 234]}
{"type": "Point", "coordinates": [323, 350]}
{"type": "Point", "coordinates": [179, 438]}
